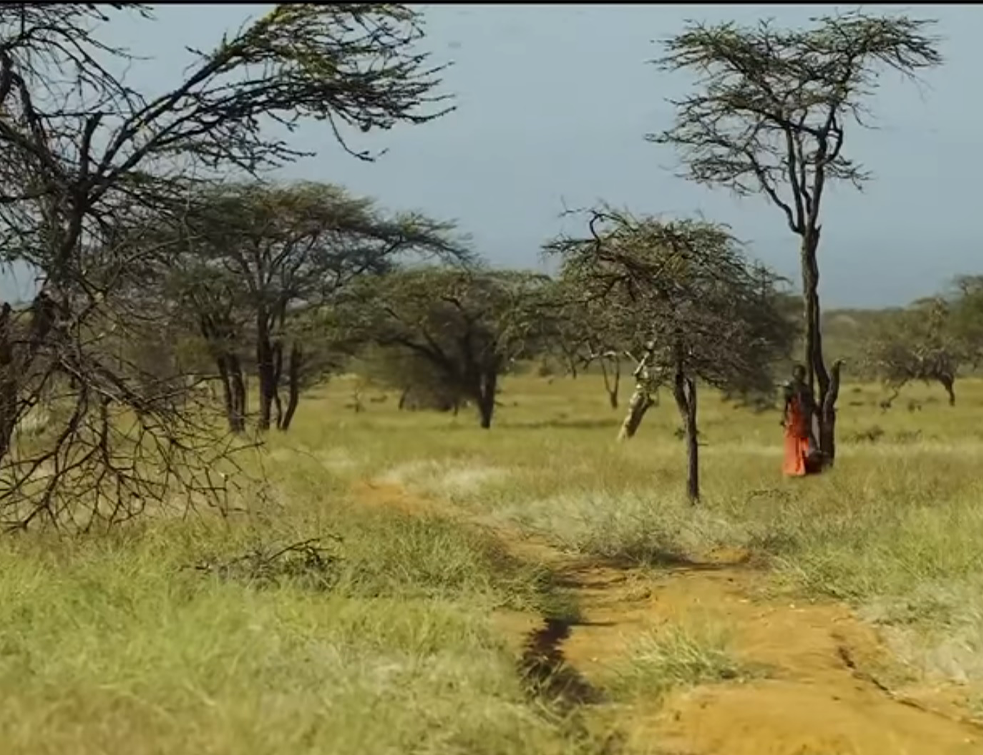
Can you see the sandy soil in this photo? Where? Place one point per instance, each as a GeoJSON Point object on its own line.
{"type": "Point", "coordinates": [830, 687]}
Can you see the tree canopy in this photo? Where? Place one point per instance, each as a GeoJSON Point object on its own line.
{"type": "Point", "coordinates": [88, 161]}
{"type": "Point", "coordinates": [930, 340]}
{"type": "Point", "coordinates": [769, 115]}
{"type": "Point", "coordinates": [276, 256]}
{"type": "Point", "coordinates": [686, 291]}
{"type": "Point", "coordinates": [469, 324]}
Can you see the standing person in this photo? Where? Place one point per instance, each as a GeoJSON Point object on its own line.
{"type": "Point", "coordinates": [800, 444]}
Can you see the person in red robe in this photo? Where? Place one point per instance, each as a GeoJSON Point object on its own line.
{"type": "Point", "coordinates": [801, 453]}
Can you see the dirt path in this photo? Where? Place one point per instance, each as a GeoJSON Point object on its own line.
{"type": "Point", "coordinates": [831, 688]}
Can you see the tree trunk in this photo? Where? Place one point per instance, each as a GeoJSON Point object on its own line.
{"type": "Point", "coordinates": [485, 398]}
{"type": "Point", "coordinates": [277, 379]}
{"type": "Point", "coordinates": [612, 381]}
{"type": "Point", "coordinates": [229, 371]}
{"type": "Point", "coordinates": [684, 391]}
{"type": "Point", "coordinates": [239, 392]}
{"type": "Point", "coordinates": [638, 405]}
{"type": "Point", "coordinates": [277, 408]}
{"type": "Point", "coordinates": [948, 382]}
{"type": "Point", "coordinates": [238, 385]}
{"type": "Point", "coordinates": [293, 385]}
{"type": "Point", "coordinates": [233, 391]}
{"type": "Point", "coordinates": [8, 383]}
{"type": "Point", "coordinates": [223, 374]}
{"type": "Point", "coordinates": [265, 371]}
{"type": "Point", "coordinates": [825, 386]}
{"type": "Point", "coordinates": [641, 400]}
{"type": "Point", "coordinates": [402, 399]}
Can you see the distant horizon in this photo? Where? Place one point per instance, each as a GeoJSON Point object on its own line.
{"type": "Point", "coordinates": [553, 105]}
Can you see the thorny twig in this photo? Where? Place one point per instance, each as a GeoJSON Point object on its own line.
{"type": "Point", "coordinates": [304, 560]}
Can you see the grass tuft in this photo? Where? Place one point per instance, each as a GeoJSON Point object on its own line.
{"type": "Point", "coordinates": [677, 655]}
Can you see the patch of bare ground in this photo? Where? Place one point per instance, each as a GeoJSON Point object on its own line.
{"type": "Point", "coordinates": [827, 684]}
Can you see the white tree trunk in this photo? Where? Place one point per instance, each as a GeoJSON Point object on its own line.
{"type": "Point", "coordinates": [643, 397]}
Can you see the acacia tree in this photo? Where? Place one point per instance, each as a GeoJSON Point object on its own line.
{"type": "Point", "coordinates": [284, 252]}
{"type": "Point", "coordinates": [770, 115]}
{"type": "Point", "coordinates": [469, 324]}
{"type": "Point", "coordinates": [704, 313]}
{"type": "Point", "coordinates": [83, 154]}
{"type": "Point", "coordinates": [918, 343]}
{"type": "Point", "coordinates": [208, 301]}
{"type": "Point", "coordinates": [419, 383]}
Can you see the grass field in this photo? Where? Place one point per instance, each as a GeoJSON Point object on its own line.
{"type": "Point", "coordinates": [398, 645]}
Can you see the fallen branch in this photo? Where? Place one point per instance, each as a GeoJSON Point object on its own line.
{"type": "Point", "coordinates": [304, 560]}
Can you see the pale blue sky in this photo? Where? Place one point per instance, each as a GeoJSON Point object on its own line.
{"type": "Point", "coordinates": [554, 102]}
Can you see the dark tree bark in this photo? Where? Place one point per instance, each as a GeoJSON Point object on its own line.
{"type": "Point", "coordinates": [684, 391]}
{"type": "Point", "coordinates": [948, 382]}
{"type": "Point", "coordinates": [572, 365]}
{"type": "Point", "coordinates": [223, 374]}
{"type": "Point", "coordinates": [294, 366]}
{"type": "Point", "coordinates": [612, 381]}
{"type": "Point", "coordinates": [239, 393]}
{"type": "Point", "coordinates": [233, 391]}
{"type": "Point", "coordinates": [485, 398]}
{"type": "Point", "coordinates": [827, 416]}
{"type": "Point", "coordinates": [229, 371]}
{"type": "Point", "coordinates": [265, 371]}
{"type": "Point", "coordinates": [818, 378]}
{"type": "Point", "coordinates": [8, 383]}
{"type": "Point", "coordinates": [8, 380]}
{"type": "Point", "coordinates": [277, 378]}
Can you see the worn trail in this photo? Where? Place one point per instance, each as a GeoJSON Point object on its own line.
{"type": "Point", "coordinates": [830, 687]}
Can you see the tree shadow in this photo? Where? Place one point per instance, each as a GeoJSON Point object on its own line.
{"type": "Point", "coordinates": [545, 671]}
{"type": "Point", "coordinates": [646, 556]}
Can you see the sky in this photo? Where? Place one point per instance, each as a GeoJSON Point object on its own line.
{"type": "Point", "coordinates": [553, 103]}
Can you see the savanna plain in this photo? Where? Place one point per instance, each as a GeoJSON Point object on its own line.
{"type": "Point", "coordinates": [534, 588]}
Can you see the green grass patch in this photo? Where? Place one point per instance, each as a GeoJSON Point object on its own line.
{"type": "Point", "coordinates": [110, 645]}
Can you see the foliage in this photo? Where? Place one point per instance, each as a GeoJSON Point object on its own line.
{"type": "Point", "coordinates": [918, 343]}
{"type": "Point", "coordinates": [469, 324]}
{"type": "Point", "coordinates": [686, 291]}
{"type": "Point", "coordinates": [569, 342]}
{"type": "Point", "coordinates": [774, 104]}
{"type": "Point", "coordinates": [89, 163]}
{"type": "Point", "coordinates": [965, 316]}
{"type": "Point", "coordinates": [273, 258]}
{"type": "Point", "coordinates": [589, 331]}
{"type": "Point", "coordinates": [770, 115]}
{"type": "Point", "coordinates": [686, 286]}
{"type": "Point", "coordinates": [420, 383]}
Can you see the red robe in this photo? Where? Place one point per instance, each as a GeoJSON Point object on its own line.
{"type": "Point", "coordinates": [797, 434]}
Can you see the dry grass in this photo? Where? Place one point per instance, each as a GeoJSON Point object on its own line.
{"type": "Point", "coordinates": [677, 655]}
{"type": "Point", "coordinates": [109, 646]}
{"type": "Point", "coordinates": [897, 529]}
